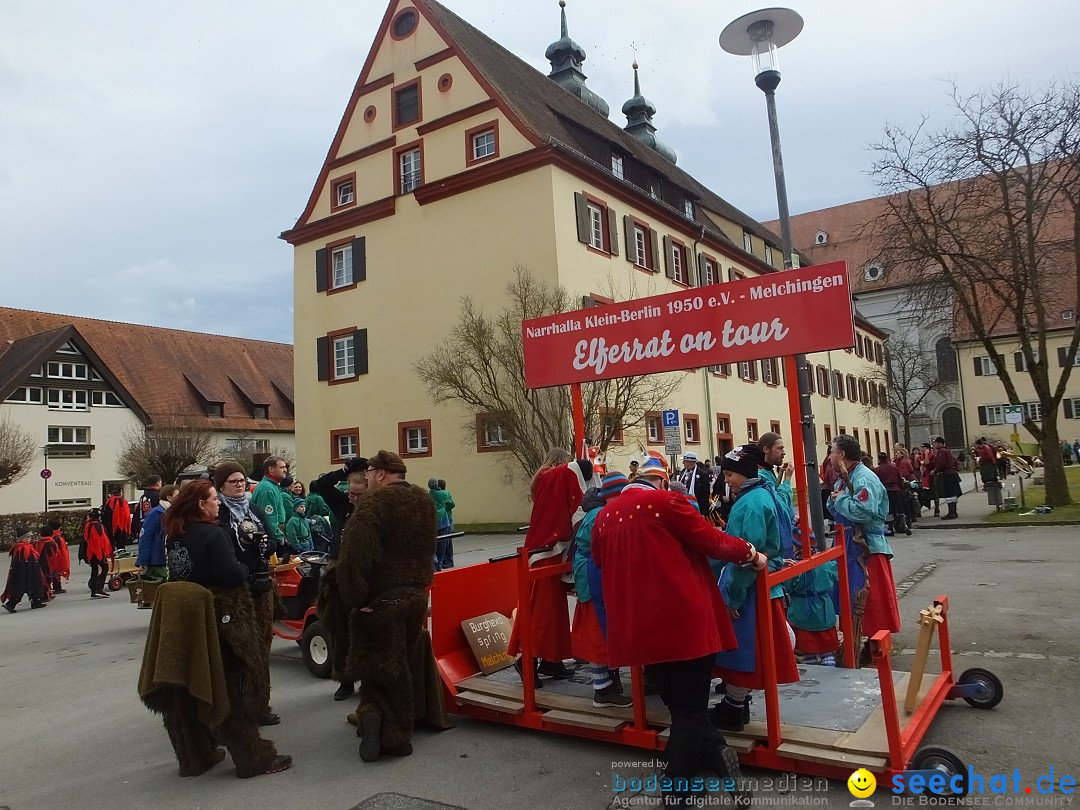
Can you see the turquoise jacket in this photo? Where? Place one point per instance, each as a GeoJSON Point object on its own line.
{"type": "Point", "coordinates": [867, 507]}
{"type": "Point", "coordinates": [811, 605]}
{"type": "Point", "coordinates": [444, 504]}
{"type": "Point", "coordinates": [268, 501]}
{"type": "Point", "coordinates": [783, 491]}
{"type": "Point", "coordinates": [298, 533]}
{"type": "Point", "coordinates": [583, 554]}
{"type": "Point", "coordinates": [753, 519]}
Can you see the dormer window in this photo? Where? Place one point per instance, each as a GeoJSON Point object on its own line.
{"type": "Point", "coordinates": [688, 208]}
{"type": "Point", "coordinates": [215, 410]}
{"type": "Point", "coordinates": [617, 166]}
{"type": "Point", "coordinates": [747, 242]}
{"type": "Point", "coordinates": [260, 411]}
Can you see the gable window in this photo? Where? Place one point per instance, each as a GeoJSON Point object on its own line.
{"type": "Point", "coordinates": [67, 348]}
{"type": "Point", "coordinates": [482, 142]}
{"type": "Point", "coordinates": [617, 165]}
{"type": "Point", "coordinates": [343, 192]}
{"type": "Point", "coordinates": [341, 263]}
{"type": "Point", "coordinates": [67, 371]}
{"type": "Point", "coordinates": [344, 357]}
{"type": "Point", "coordinates": [106, 399]}
{"type": "Point", "coordinates": [69, 435]}
{"type": "Point", "coordinates": [25, 393]}
{"type": "Point", "coordinates": [747, 242]}
{"type": "Point", "coordinates": [344, 444]}
{"type": "Point", "coordinates": [690, 428]}
{"type": "Point", "coordinates": [483, 145]}
{"type": "Point", "coordinates": [492, 433]}
{"type": "Point", "coordinates": [403, 24]}
{"type": "Point", "coordinates": [67, 399]}
{"type": "Point", "coordinates": [410, 170]}
{"type": "Point", "coordinates": [407, 104]}
{"type": "Point", "coordinates": [654, 431]}
{"type": "Point", "coordinates": [984, 366]}
{"type": "Point", "coordinates": [414, 438]}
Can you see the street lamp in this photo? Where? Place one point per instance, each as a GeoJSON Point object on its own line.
{"type": "Point", "coordinates": [758, 35]}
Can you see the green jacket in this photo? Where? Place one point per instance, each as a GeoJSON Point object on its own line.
{"type": "Point", "coordinates": [783, 491]}
{"type": "Point", "coordinates": [316, 506]}
{"type": "Point", "coordinates": [584, 553]}
{"type": "Point", "coordinates": [269, 503]}
{"type": "Point", "coordinates": [298, 533]}
{"type": "Point", "coordinates": [869, 507]}
{"type": "Point", "coordinates": [753, 519]}
{"type": "Point", "coordinates": [811, 605]}
{"type": "Point", "coordinates": [444, 503]}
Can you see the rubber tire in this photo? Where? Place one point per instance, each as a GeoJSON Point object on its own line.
{"type": "Point", "coordinates": [933, 756]}
{"type": "Point", "coordinates": [115, 583]}
{"type": "Point", "coordinates": [315, 648]}
{"type": "Point", "coordinates": [997, 690]}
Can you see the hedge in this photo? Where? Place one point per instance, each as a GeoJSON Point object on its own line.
{"type": "Point", "coordinates": [71, 522]}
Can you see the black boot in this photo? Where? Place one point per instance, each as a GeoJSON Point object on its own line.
{"type": "Point", "coordinates": [344, 690]}
{"type": "Point", "coordinates": [537, 683]}
{"type": "Point", "coordinates": [952, 512]}
{"type": "Point", "coordinates": [724, 762]}
{"type": "Point", "coordinates": [726, 716]}
{"type": "Point", "coordinates": [555, 669]}
{"type": "Point", "coordinates": [371, 743]}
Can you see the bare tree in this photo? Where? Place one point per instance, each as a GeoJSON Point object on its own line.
{"type": "Point", "coordinates": [910, 376]}
{"type": "Point", "coordinates": [166, 450]}
{"type": "Point", "coordinates": [481, 365]}
{"type": "Point", "coordinates": [988, 210]}
{"type": "Point", "coordinates": [17, 451]}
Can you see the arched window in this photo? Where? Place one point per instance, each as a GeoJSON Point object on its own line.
{"type": "Point", "coordinates": [952, 427]}
{"type": "Point", "coordinates": [946, 360]}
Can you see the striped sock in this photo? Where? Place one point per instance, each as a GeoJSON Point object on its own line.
{"type": "Point", "coordinates": [601, 676]}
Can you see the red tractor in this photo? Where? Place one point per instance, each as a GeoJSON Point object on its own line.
{"type": "Point", "coordinates": [298, 585]}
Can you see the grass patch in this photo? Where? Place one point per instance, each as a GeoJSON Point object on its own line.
{"type": "Point", "coordinates": [490, 528]}
{"type": "Point", "coordinates": [1036, 496]}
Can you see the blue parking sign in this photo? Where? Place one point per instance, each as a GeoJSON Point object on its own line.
{"type": "Point", "coordinates": [671, 418]}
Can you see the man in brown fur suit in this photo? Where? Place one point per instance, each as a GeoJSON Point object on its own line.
{"type": "Point", "coordinates": [383, 571]}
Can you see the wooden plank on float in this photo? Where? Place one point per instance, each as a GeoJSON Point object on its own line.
{"type": "Point", "coordinates": [579, 720]}
{"type": "Point", "coordinates": [830, 756]}
{"type": "Point", "coordinates": [496, 704]}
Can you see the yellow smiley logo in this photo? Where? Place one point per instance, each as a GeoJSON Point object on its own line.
{"type": "Point", "coordinates": [862, 783]}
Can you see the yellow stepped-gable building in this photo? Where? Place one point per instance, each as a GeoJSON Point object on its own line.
{"type": "Point", "coordinates": [455, 162]}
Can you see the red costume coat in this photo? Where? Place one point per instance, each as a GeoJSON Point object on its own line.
{"type": "Point", "coordinates": [556, 496]}
{"type": "Point", "coordinates": [653, 550]}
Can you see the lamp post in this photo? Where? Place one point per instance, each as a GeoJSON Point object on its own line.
{"type": "Point", "coordinates": [758, 35]}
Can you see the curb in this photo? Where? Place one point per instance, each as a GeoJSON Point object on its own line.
{"type": "Point", "coordinates": [950, 525]}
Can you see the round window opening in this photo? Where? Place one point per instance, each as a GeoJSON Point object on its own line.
{"type": "Point", "coordinates": [874, 272]}
{"type": "Point", "coordinates": [404, 24]}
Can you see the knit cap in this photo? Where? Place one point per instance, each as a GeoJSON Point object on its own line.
{"type": "Point", "coordinates": [744, 460]}
{"type": "Point", "coordinates": [653, 466]}
{"type": "Point", "coordinates": [612, 485]}
{"type": "Point", "coordinates": [297, 502]}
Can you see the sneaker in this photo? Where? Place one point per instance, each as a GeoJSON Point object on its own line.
{"type": "Point", "coordinates": [96, 595]}
{"type": "Point", "coordinates": [371, 745]}
{"type": "Point", "coordinates": [727, 716]}
{"type": "Point", "coordinates": [103, 595]}
{"type": "Point", "coordinates": [36, 605]}
{"type": "Point", "coordinates": [609, 696]}
{"type": "Point", "coordinates": [344, 690]}
{"type": "Point", "coordinates": [282, 762]}
{"type": "Point", "coordinates": [10, 608]}
{"type": "Point", "coordinates": [557, 670]}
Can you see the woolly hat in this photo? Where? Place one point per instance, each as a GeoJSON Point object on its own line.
{"type": "Point", "coordinates": [385, 460]}
{"type": "Point", "coordinates": [653, 467]}
{"type": "Point", "coordinates": [744, 460]}
{"type": "Point", "coordinates": [297, 503]}
{"type": "Point", "coordinates": [612, 485]}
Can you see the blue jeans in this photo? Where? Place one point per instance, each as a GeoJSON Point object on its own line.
{"type": "Point", "coordinates": [444, 549]}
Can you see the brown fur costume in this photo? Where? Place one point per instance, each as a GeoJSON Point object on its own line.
{"type": "Point", "coordinates": [386, 562]}
{"type": "Point", "coordinates": [244, 658]}
{"type": "Point", "coordinates": [335, 619]}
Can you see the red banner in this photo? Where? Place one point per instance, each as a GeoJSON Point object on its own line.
{"type": "Point", "coordinates": [789, 312]}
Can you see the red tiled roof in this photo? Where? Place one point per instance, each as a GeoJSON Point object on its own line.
{"type": "Point", "coordinates": [153, 365]}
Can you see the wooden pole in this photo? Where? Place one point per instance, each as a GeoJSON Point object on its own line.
{"type": "Point", "coordinates": [929, 618]}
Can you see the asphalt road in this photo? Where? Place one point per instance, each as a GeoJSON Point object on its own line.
{"type": "Point", "coordinates": [76, 735]}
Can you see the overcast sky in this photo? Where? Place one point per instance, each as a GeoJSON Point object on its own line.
{"type": "Point", "coordinates": [151, 152]}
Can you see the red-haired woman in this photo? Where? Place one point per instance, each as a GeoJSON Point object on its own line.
{"type": "Point", "coordinates": [200, 551]}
